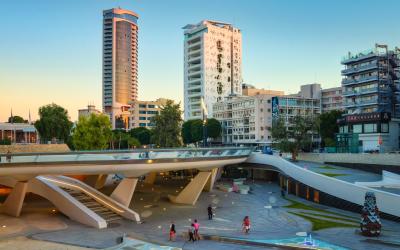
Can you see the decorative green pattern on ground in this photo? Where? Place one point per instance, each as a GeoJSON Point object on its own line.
{"type": "Point", "coordinates": [331, 174]}
{"type": "Point", "coordinates": [319, 224]}
{"type": "Point", "coordinates": [327, 167]}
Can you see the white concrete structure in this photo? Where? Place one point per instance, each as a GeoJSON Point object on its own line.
{"type": "Point", "coordinates": [212, 65]}
{"type": "Point", "coordinates": [120, 64]}
{"type": "Point", "coordinates": [40, 174]}
{"type": "Point", "coordinates": [245, 119]}
{"type": "Point", "coordinates": [388, 202]}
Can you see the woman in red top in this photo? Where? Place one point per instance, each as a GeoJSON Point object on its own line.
{"type": "Point", "coordinates": [246, 224]}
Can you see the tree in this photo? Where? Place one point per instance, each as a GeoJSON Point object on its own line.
{"type": "Point", "coordinates": [16, 119]}
{"type": "Point", "coordinates": [167, 130]}
{"type": "Point", "coordinates": [133, 142]}
{"type": "Point", "coordinates": [329, 126]}
{"type": "Point", "coordinates": [295, 137]}
{"type": "Point", "coordinates": [92, 132]}
{"type": "Point", "coordinates": [53, 123]}
{"type": "Point", "coordinates": [187, 132]}
{"type": "Point", "coordinates": [214, 128]}
{"type": "Point", "coordinates": [196, 130]}
{"type": "Point", "coordinates": [142, 134]}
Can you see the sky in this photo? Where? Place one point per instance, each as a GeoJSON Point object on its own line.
{"type": "Point", "coordinates": [51, 51]}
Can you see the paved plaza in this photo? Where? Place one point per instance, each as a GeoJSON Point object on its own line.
{"type": "Point", "coordinates": [265, 206]}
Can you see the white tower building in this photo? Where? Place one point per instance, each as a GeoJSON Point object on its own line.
{"type": "Point", "coordinates": [212, 65]}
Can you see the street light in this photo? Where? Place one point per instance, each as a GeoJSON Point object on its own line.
{"type": "Point", "coordinates": [205, 114]}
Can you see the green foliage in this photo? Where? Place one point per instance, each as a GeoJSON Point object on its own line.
{"type": "Point", "coordinates": [329, 126]}
{"type": "Point", "coordinates": [133, 142]}
{"type": "Point", "coordinates": [119, 139]}
{"type": "Point", "coordinates": [213, 128]}
{"type": "Point", "coordinates": [167, 130]}
{"type": "Point", "coordinates": [54, 122]}
{"type": "Point", "coordinates": [295, 137]}
{"type": "Point", "coordinates": [319, 224]}
{"type": "Point", "coordinates": [192, 130]}
{"type": "Point", "coordinates": [331, 174]}
{"type": "Point", "coordinates": [5, 141]}
{"type": "Point", "coordinates": [197, 130]}
{"type": "Point", "coordinates": [16, 119]}
{"type": "Point", "coordinates": [92, 132]}
{"type": "Point", "coordinates": [187, 132]}
{"type": "Point", "coordinates": [142, 134]}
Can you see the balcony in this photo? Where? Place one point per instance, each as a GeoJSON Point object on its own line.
{"type": "Point", "coordinates": [359, 103]}
{"type": "Point", "coordinates": [360, 92]}
{"type": "Point", "coordinates": [353, 70]}
{"type": "Point", "coordinates": [349, 81]}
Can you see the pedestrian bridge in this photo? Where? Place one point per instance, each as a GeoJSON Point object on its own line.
{"type": "Point", "coordinates": [43, 174]}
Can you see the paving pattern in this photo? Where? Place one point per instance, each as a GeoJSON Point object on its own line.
{"type": "Point", "coordinates": [266, 208]}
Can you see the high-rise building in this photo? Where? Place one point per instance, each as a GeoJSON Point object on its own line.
{"type": "Point", "coordinates": [120, 35]}
{"type": "Point", "coordinates": [331, 99]}
{"type": "Point", "coordinates": [212, 65]}
{"type": "Point", "coordinates": [371, 100]}
{"type": "Point", "coordinates": [142, 112]}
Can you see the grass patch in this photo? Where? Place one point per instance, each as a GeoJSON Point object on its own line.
{"type": "Point", "coordinates": [331, 174]}
{"type": "Point", "coordinates": [318, 224]}
{"type": "Point", "coordinates": [346, 219]}
{"type": "Point", "coordinates": [299, 205]}
{"type": "Point", "coordinates": [327, 167]}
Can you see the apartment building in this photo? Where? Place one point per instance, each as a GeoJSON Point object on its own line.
{"type": "Point", "coordinates": [212, 65]}
{"type": "Point", "coordinates": [331, 99]}
{"type": "Point", "coordinates": [371, 100]}
{"type": "Point", "coordinates": [142, 112]}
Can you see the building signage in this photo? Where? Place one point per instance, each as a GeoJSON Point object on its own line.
{"type": "Point", "coordinates": [370, 117]}
{"type": "Point", "coordinates": [275, 107]}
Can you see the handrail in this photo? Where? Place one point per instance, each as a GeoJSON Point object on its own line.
{"type": "Point", "coordinates": [113, 151]}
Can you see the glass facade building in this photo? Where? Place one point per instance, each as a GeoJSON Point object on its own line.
{"type": "Point", "coordinates": [120, 34]}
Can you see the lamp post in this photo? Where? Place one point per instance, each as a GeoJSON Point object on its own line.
{"type": "Point", "coordinates": [205, 113]}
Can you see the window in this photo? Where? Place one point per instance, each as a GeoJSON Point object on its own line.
{"type": "Point", "coordinates": [142, 118]}
{"type": "Point", "coordinates": [142, 112]}
{"type": "Point", "coordinates": [142, 124]}
{"type": "Point", "coordinates": [370, 128]}
{"type": "Point", "coordinates": [385, 128]}
{"type": "Point", "coordinates": [152, 106]}
{"type": "Point", "coordinates": [357, 128]}
{"type": "Point", "coordinates": [142, 105]}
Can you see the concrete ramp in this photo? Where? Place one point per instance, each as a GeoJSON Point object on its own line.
{"type": "Point", "coordinates": [75, 199]}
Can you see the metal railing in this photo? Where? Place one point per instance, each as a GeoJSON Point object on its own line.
{"type": "Point", "coordinates": [125, 155]}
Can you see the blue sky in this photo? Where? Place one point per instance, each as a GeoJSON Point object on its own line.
{"type": "Point", "coordinates": [50, 51]}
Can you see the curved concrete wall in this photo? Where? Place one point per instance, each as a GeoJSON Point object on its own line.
{"type": "Point", "coordinates": [376, 159]}
{"type": "Point", "coordinates": [387, 202]}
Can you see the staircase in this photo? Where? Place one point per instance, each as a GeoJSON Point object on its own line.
{"type": "Point", "coordinates": [108, 215]}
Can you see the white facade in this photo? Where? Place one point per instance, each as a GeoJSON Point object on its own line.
{"type": "Point", "coordinates": [245, 119]}
{"type": "Point", "coordinates": [331, 99]}
{"type": "Point", "coordinates": [212, 65]}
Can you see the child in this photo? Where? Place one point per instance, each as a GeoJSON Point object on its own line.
{"type": "Point", "coordinates": [196, 230]}
{"type": "Point", "coordinates": [246, 224]}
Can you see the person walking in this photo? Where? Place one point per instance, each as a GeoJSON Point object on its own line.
{"type": "Point", "coordinates": [191, 233]}
{"type": "Point", "coordinates": [8, 156]}
{"type": "Point", "coordinates": [210, 212]}
{"type": "Point", "coordinates": [246, 224]}
{"type": "Point", "coordinates": [196, 230]}
{"type": "Point", "coordinates": [172, 232]}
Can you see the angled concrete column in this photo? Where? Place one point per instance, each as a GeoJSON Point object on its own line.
{"type": "Point", "coordinates": [13, 204]}
{"type": "Point", "coordinates": [124, 191]}
{"type": "Point", "coordinates": [150, 178]}
{"type": "Point", "coordinates": [210, 183]}
{"type": "Point", "coordinates": [191, 192]}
